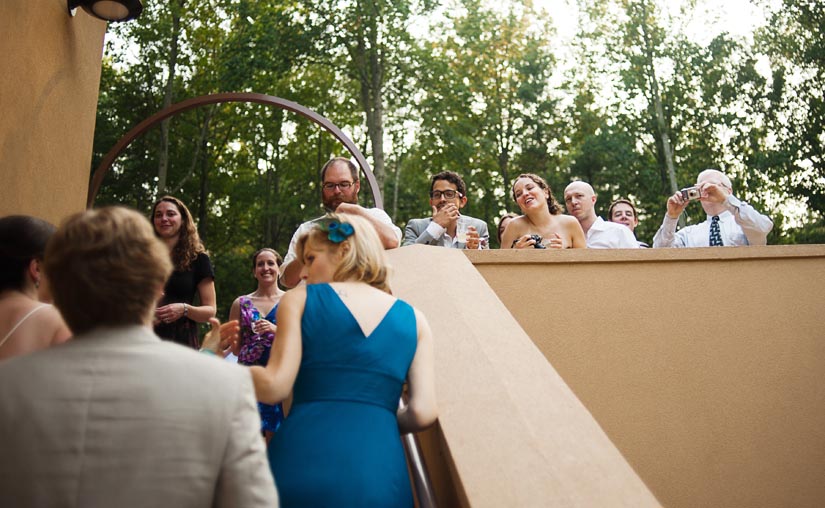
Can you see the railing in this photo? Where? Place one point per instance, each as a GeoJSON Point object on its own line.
{"type": "Point", "coordinates": [418, 471]}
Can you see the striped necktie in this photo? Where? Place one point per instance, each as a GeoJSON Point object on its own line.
{"type": "Point", "coordinates": [715, 233]}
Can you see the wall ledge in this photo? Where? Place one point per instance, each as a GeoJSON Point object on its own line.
{"type": "Point", "coordinates": [538, 256]}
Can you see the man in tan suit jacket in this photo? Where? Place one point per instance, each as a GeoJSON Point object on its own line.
{"type": "Point", "coordinates": [116, 417]}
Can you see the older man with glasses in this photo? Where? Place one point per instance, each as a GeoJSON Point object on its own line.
{"type": "Point", "coordinates": [339, 193]}
{"type": "Point", "coordinates": [730, 221]}
{"type": "Point", "coordinates": [447, 227]}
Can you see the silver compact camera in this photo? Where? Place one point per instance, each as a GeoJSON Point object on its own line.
{"type": "Point", "coordinates": [691, 193]}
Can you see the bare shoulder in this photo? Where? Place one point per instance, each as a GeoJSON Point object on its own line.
{"type": "Point", "coordinates": [515, 229]}
{"type": "Point", "coordinates": [292, 304]}
{"type": "Point", "coordinates": [567, 220]}
{"type": "Point", "coordinates": [518, 226]}
{"type": "Point", "coordinates": [421, 324]}
{"type": "Point", "coordinates": [520, 223]}
{"type": "Point", "coordinates": [295, 296]}
{"type": "Point", "coordinates": [51, 313]}
{"type": "Point", "coordinates": [57, 328]}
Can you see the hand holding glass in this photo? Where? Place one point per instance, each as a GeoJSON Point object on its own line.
{"type": "Point", "coordinates": [473, 241]}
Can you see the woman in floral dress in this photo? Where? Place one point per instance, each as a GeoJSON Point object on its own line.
{"type": "Point", "coordinates": [256, 314]}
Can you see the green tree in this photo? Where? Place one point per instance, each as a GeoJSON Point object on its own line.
{"type": "Point", "coordinates": [794, 42]}
{"type": "Point", "coordinates": [485, 100]}
{"type": "Point", "coordinates": [697, 105]}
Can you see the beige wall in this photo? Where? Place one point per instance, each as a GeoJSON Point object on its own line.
{"type": "Point", "coordinates": [705, 367]}
{"type": "Point", "coordinates": [510, 431]}
{"type": "Point", "coordinates": [49, 80]}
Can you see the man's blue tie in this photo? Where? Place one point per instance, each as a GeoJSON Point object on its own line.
{"type": "Point", "coordinates": [715, 233]}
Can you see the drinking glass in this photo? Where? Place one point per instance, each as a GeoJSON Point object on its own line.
{"type": "Point", "coordinates": [461, 230]}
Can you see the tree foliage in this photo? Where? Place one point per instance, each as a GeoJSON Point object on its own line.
{"type": "Point", "coordinates": [472, 86]}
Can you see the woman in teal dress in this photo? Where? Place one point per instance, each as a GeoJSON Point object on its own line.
{"type": "Point", "coordinates": [345, 347]}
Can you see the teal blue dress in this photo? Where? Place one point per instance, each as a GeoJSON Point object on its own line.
{"type": "Point", "coordinates": [340, 446]}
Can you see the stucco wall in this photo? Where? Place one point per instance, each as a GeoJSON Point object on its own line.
{"type": "Point", "coordinates": [49, 81]}
{"type": "Point", "coordinates": [706, 367]}
{"type": "Point", "coordinates": [510, 432]}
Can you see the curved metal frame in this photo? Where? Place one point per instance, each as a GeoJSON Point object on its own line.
{"type": "Point", "coordinates": [219, 98]}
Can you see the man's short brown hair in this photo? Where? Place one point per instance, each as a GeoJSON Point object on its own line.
{"type": "Point", "coordinates": [106, 268]}
{"type": "Point", "coordinates": [353, 169]}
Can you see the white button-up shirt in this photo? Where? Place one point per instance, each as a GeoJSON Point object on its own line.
{"type": "Point", "coordinates": [740, 224]}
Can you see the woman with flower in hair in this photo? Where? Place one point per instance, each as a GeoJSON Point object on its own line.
{"type": "Point", "coordinates": [345, 348]}
{"type": "Point", "coordinates": [255, 313]}
{"type": "Point", "coordinates": [176, 318]}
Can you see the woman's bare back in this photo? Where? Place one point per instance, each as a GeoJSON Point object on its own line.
{"type": "Point", "coordinates": [38, 326]}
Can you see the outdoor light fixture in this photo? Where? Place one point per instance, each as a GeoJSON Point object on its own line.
{"type": "Point", "coordinates": [108, 10]}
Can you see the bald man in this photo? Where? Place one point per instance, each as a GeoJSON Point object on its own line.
{"type": "Point", "coordinates": [580, 201]}
{"type": "Point", "coordinates": [730, 222]}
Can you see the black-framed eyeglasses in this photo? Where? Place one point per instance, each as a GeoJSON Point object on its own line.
{"type": "Point", "coordinates": [340, 185]}
{"type": "Point", "coordinates": [448, 194]}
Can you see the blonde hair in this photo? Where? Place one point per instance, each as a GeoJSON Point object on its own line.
{"type": "Point", "coordinates": [106, 268]}
{"type": "Point", "coordinates": [363, 258]}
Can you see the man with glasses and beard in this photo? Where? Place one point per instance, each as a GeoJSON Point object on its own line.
{"type": "Point", "coordinates": [339, 193]}
{"type": "Point", "coordinates": [447, 227]}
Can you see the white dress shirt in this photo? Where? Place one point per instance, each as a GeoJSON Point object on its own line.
{"type": "Point", "coordinates": [740, 224]}
{"type": "Point", "coordinates": [439, 232]}
{"type": "Point", "coordinates": [610, 235]}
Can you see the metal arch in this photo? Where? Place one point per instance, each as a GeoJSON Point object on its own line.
{"type": "Point", "coordinates": [219, 98]}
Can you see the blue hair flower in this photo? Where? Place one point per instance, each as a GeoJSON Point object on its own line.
{"type": "Point", "coordinates": [337, 232]}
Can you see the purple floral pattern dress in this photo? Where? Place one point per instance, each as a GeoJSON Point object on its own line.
{"type": "Point", "coordinates": [255, 349]}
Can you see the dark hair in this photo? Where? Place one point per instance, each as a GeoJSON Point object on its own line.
{"type": "Point", "coordinates": [552, 204]}
{"type": "Point", "coordinates": [189, 243]}
{"type": "Point", "coordinates": [452, 177]}
{"type": "Point", "coordinates": [500, 232]}
{"type": "Point", "coordinates": [22, 239]}
{"type": "Point", "coordinates": [625, 201]}
{"type": "Point", "coordinates": [353, 169]}
{"type": "Point", "coordinates": [278, 258]}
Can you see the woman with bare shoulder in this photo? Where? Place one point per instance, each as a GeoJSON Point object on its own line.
{"type": "Point", "coordinates": [27, 323]}
{"type": "Point", "coordinates": [345, 347]}
{"type": "Point", "coordinates": [542, 224]}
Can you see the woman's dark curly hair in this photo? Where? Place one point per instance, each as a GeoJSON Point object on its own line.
{"type": "Point", "coordinates": [552, 204]}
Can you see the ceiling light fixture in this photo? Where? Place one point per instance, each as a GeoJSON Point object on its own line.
{"type": "Point", "coordinates": [108, 10]}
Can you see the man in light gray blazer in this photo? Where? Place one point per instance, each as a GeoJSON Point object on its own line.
{"type": "Point", "coordinates": [115, 416]}
{"type": "Point", "coordinates": [447, 227]}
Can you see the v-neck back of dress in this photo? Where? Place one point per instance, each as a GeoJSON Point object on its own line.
{"type": "Point", "coordinates": [340, 440]}
{"type": "Point", "coordinates": [348, 311]}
